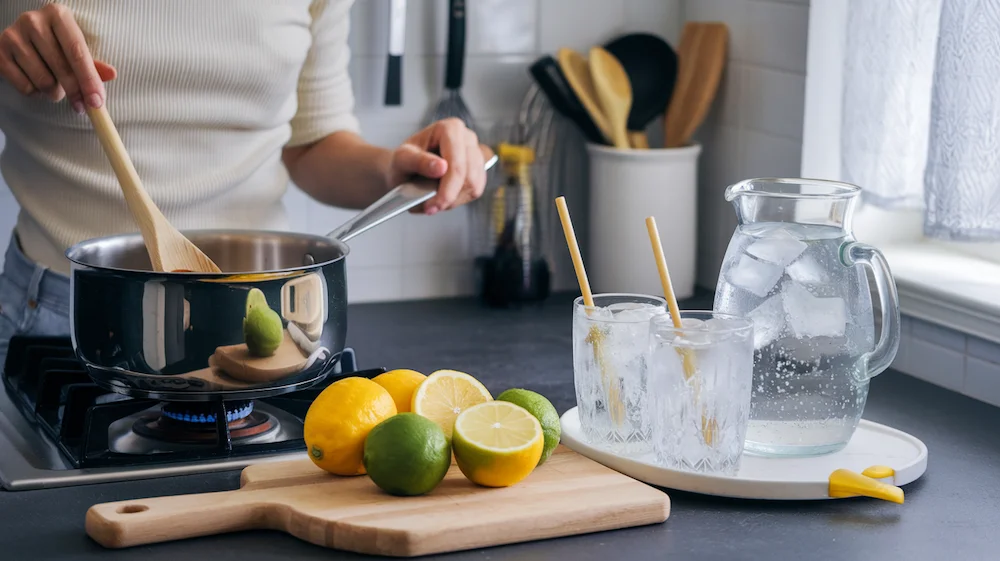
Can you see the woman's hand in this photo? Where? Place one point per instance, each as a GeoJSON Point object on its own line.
{"type": "Point", "coordinates": [459, 166]}
{"type": "Point", "coordinates": [44, 52]}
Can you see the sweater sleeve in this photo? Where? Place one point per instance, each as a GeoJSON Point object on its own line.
{"type": "Point", "coordinates": [325, 97]}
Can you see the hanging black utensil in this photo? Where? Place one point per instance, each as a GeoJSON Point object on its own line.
{"type": "Point", "coordinates": [452, 104]}
{"type": "Point", "coordinates": [394, 64]}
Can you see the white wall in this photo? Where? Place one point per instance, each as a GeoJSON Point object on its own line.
{"type": "Point", "coordinates": [755, 126]}
{"type": "Point", "coordinates": [416, 257]}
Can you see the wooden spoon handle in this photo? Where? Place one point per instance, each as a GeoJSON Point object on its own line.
{"type": "Point", "coordinates": [161, 519]}
{"type": "Point", "coordinates": [638, 140]}
{"type": "Point", "coordinates": [139, 203]}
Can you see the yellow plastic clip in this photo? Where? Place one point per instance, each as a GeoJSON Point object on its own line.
{"type": "Point", "coordinates": [846, 483]}
{"type": "Point", "coordinates": [515, 154]}
{"type": "Point", "coordinates": [879, 472]}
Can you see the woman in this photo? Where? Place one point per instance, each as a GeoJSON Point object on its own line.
{"type": "Point", "coordinates": [219, 103]}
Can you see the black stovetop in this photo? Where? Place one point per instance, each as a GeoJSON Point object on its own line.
{"type": "Point", "coordinates": [49, 385]}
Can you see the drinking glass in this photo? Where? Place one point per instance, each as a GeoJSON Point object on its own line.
{"type": "Point", "coordinates": [699, 385]}
{"type": "Point", "coordinates": [610, 347]}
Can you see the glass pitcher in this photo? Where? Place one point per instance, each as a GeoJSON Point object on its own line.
{"type": "Point", "coordinates": [795, 269]}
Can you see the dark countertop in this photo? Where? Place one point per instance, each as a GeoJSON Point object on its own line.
{"type": "Point", "coordinates": [950, 513]}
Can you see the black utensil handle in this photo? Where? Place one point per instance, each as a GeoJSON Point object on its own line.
{"type": "Point", "coordinates": [397, 42]}
{"type": "Point", "coordinates": [455, 60]}
{"type": "Point", "coordinates": [393, 80]}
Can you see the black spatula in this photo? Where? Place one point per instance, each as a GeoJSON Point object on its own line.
{"type": "Point", "coordinates": [651, 65]}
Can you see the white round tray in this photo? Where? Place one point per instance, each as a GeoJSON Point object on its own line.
{"type": "Point", "coordinates": [772, 478]}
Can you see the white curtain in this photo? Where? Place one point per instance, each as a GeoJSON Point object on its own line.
{"type": "Point", "coordinates": [921, 111]}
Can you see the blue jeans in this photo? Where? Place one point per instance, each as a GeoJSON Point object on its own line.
{"type": "Point", "coordinates": [33, 299]}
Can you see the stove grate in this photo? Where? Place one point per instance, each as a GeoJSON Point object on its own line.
{"type": "Point", "coordinates": [49, 385]}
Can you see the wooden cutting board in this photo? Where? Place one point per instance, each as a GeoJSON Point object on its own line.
{"type": "Point", "coordinates": [567, 495]}
{"type": "Point", "coordinates": [238, 363]}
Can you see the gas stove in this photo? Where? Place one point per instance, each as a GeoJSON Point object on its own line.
{"type": "Point", "coordinates": [58, 428]}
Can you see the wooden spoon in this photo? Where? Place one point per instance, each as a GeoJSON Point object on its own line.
{"type": "Point", "coordinates": [577, 71]}
{"type": "Point", "coordinates": [168, 249]}
{"type": "Point", "coordinates": [614, 92]}
{"type": "Point", "coordinates": [701, 58]}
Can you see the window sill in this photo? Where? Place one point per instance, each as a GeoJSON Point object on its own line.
{"type": "Point", "coordinates": [954, 290]}
{"type": "Point", "coordinates": [950, 305]}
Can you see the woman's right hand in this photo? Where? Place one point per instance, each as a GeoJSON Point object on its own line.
{"type": "Point", "coordinates": [44, 52]}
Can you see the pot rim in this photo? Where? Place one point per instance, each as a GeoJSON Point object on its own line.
{"type": "Point", "coordinates": [72, 254]}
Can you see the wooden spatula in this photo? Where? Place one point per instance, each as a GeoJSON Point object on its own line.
{"type": "Point", "coordinates": [614, 91]}
{"type": "Point", "coordinates": [168, 249]}
{"type": "Point", "coordinates": [701, 58]}
{"type": "Point", "coordinates": [577, 71]}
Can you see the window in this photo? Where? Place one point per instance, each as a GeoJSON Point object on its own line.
{"type": "Point", "coordinates": [956, 284]}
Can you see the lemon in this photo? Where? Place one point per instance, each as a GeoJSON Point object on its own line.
{"type": "Point", "coordinates": [497, 444]}
{"type": "Point", "coordinates": [407, 455]}
{"type": "Point", "coordinates": [401, 384]}
{"type": "Point", "coordinates": [543, 410]}
{"type": "Point", "coordinates": [445, 394]}
{"type": "Point", "coordinates": [339, 420]}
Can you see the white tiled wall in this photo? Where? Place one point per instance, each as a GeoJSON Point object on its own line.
{"type": "Point", "coordinates": [755, 126]}
{"type": "Point", "coordinates": [415, 257]}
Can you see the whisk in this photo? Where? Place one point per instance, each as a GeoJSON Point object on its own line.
{"type": "Point", "coordinates": [451, 103]}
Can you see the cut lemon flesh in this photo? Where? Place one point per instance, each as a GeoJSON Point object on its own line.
{"type": "Point", "coordinates": [499, 426]}
{"type": "Point", "coordinates": [497, 444]}
{"type": "Point", "coordinates": [445, 394]}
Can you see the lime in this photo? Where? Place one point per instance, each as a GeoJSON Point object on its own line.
{"type": "Point", "coordinates": [401, 385]}
{"type": "Point", "coordinates": [256, 299]}
{"type": "Point", "coordinates": [497, 443]}
{"type": "Point", "coordinates": [543, 410]}
{"type": "Point", "coordinates": [339, 420]}
{"type": "Point", "coordinates": [407, 455]}
{"type": "Point", "coordinates": [262, 331]}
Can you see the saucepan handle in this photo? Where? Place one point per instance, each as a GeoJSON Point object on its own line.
{"type": "Point", "coordinates": [395, 202]}
{"type": "Point", "coordinates": [888, 343]}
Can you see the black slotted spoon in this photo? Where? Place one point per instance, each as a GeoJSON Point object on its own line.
{"type": "Point", "coordinates": [651, 65]}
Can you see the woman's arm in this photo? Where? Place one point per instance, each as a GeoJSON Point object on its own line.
{"type": "Point", "coordinates": [327, 158]}
{"type": "Point", "coordinates": [343, 170]}
{"type": "Point", "coordinates": [340, 170]}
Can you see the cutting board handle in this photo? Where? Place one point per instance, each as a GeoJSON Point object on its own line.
{"type": "Point", "coordinates": [145, 521]}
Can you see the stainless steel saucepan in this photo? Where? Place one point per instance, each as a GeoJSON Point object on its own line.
{"type": "Point", "coordinates": [180, 336]}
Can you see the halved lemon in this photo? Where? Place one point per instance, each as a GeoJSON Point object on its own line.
{"type": "Point", "coordinates": [497, 444]}
{"type": "Point", "coordinates": [445, 394]}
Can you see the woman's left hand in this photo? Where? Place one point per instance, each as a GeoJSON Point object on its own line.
{"type": "Point", "coordinates": [459, 166]}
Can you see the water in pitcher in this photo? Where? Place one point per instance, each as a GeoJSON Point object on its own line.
{"type": "Point", "coordinates": [813, 328]}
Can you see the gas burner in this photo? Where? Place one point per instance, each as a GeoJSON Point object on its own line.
{"type": "Point", "coordinates": [190, 427]}
{"type": "Point", "coordinates": [201, 413]}
{"type": "Point", "coordinates": [57, 427]}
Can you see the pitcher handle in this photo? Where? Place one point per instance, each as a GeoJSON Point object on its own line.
{"type": "Point", "coordinates": [885, 351]}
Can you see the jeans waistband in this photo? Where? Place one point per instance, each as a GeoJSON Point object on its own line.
{"type": "Point", "coordinates": [40, 284]}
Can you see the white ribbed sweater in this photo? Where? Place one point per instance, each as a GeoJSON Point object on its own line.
{"type": "Point", "coordinates": [207, 95]}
